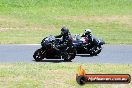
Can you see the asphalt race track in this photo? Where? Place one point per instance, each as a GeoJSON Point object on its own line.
{"type": "Point", "coordinates": [118, 54]}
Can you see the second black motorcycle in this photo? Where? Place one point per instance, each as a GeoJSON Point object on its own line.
{"type": "Point", "coordinates": [83, 46]}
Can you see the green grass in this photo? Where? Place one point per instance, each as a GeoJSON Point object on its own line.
{"type": "Point", "coordinates": [28, 21]}
{"type": "Point", "coordinates": [59, 75]}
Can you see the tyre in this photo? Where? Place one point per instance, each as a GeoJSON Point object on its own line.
{"type": "Point", "coordinates": [99, 48]}
{"type": "Point", "coordinates": [71, 53]}
{"type": "Point", "coordinates": [39, 55]}
{"type": "Point", "coordinates": [81, 80]}
{"type": "Point", "coordinates": [95, 51]}
{"type": "Point", "coordinates": [66, 57]}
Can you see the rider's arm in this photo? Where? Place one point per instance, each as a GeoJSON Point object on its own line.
{"type": "Point", "coordinates": [58, 36]}
{"type": "Point", "coordinates": [83, 35]}
{"type": "Point", "coordinates": [70, 41]}
{"type": "Point", "coordinates": [90, 37]}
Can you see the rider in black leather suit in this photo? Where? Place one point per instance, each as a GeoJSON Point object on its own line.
{"type": "Point", "coordinates": [91, 38]}
{"type": "Point", "coordinates": [66, 36]}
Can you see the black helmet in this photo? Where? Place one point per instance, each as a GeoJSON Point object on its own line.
{"type": "Point", "coordinates": [64, 30]}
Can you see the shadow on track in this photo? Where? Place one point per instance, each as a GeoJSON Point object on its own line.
{"type": "Point", "coordinates": [61, 60]}
{"type": "Point", "coordinates": [84, 55]}
{"type": "Point", "coordinates": [52, 61]}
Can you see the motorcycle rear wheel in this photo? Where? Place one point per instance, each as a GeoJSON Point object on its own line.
{"type": "Point", "coordinates": [71, 53]}
{"type": "Point", "coordinates": [39, 55]}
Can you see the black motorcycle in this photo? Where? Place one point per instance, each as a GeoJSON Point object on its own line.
{"type": "Point", "coordinates": [83, 46]}
{"type": "Point", "coordinates": [52, 48]}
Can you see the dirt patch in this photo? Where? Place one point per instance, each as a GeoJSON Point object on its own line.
{"type": "Point", "coordinates": [9, 23]}
{"type": "Point", "coordinates": [101, 19]}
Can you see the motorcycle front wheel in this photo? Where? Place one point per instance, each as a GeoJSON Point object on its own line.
{"type": "Point", "coordinates": [95, 51]}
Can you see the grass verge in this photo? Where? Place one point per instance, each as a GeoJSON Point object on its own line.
{"type": "Point", "coordinates": [28, 21]}
{"type": "Point", "coordinates": [56, 75]}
